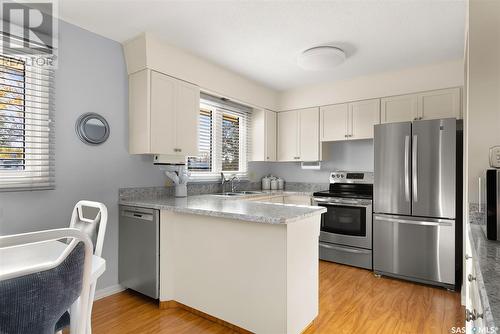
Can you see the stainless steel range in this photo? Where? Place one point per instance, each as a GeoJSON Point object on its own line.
{"type": "Point", "coordinates": [346, 227]}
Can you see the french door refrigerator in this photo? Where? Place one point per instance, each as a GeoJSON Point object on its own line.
{"type": "Point", "coordinates": [415, 200]}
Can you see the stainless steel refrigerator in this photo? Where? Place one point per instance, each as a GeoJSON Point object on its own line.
{"type": "Point", "coordinates": [415, 200]}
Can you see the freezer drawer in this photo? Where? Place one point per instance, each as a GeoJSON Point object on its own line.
{"type": "Point", "coordinates": [139, 250]}
{"type": "Point", "coordinates": [414, 248]}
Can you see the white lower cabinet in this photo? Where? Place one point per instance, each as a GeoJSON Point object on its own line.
{"type": "Point", "coordinates": [285, 199]}
{"type": "Point", "coordinates": [298, 135]}
{"type": "Point", "coordinates": [297, 200]}
{"type": "Point", "coordinates": [474, 312]}
{"type": "Point", "coordinates": [348, 121]}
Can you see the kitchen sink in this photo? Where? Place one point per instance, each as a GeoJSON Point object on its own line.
{"type": "Point", "coordinates": [228, 194]}
{"type": "Point", "coordinates": [238, 193]}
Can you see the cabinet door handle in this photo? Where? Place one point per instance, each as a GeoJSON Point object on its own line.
{"type": "Point", "coordinates": [468, 257]}
{"type": "Point", "coordinates": [346, 136]}
{"type": "Point", "coordinates": [472, 315]}
{"type": "Point", "coordinates": [469, 316]}
{"type": "Point", "coordinates": [471, 278]}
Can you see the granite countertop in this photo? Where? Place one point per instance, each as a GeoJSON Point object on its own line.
{"type": "Point", "coordinates": [488, 274]}
{"type": "Point", "coordinates": [240, 207]}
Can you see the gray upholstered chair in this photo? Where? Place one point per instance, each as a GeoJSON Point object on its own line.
{"type": "Point", "coordinates": [35, 298]}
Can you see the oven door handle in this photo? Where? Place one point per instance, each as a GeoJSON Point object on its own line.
{"type": "Point", "coordinates": [353, 205]}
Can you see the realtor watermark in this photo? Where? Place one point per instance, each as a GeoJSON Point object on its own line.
{"type": "Point", "coordinates": [474, 330]}
{"type": "Point", "coordinates": [29, 31]}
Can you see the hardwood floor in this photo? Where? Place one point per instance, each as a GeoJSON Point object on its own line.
{"type": "Point", "coordinates": [351, 301]}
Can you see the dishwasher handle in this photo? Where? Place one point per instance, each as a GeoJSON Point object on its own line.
{"type": "Point", "coordinates": [137, 215]}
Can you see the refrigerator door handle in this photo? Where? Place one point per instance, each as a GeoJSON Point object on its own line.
{"type": "Point", "coordinates": [414, 166]}
{"type": "Point", "coordinates": [416, 222]}
{"type": "Point", "coordinates": [407, 168]}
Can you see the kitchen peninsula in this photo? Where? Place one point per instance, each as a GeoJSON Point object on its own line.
{"type": "Point", "coordinates": [251, 264]}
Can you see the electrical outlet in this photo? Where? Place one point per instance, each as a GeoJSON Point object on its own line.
{"type": "Point", "coordinates": [495, 157]}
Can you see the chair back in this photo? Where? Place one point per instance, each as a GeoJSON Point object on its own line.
{"type": "Point", "coordinates": [96, 227]}
{"type": "Point", "coordinates": [33, 298]}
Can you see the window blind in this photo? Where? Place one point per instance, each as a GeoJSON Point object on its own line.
{"type": "Point", "coordinates": [203, 162]}
{"type": "Point", "coordinates": [223, 139]}
{"type": "Point", "coordinates": [26, 124]}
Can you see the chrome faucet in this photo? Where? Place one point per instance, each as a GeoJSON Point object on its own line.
{"type": "Point", "coordinates": [233, 186]}
{"type": "Point", "coordinates": [224, 180]}
{"type": "Point", "coordinates": [232, 180]}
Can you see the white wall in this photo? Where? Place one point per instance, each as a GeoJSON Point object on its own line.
{"type": "Point", "coordinates": [483, 114]}
{"type": "Point", "coordinates": [415, 79]}
{"type": "Point", "coordinates": [148, 51]}
{"type": "Point", "coordinates": [91, 77]}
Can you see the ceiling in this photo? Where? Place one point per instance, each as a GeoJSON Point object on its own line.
{"type": "Point", "coordinates": [261, 39]}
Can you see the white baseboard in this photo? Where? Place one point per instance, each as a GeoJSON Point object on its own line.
{"type": "Point", "coordinates": [108, 291]}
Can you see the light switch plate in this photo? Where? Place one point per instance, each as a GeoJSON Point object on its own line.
{"type": "Point", "coordinates": [495, 157]}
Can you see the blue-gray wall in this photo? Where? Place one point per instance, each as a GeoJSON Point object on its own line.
{"type": "Point", "coordinates": [91, 77]}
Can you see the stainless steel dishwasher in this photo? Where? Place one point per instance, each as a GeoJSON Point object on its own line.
{"type": "Point", "coordinates": [139, 250]}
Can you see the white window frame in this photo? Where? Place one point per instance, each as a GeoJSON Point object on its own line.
{"type": "Point", "coordinates": [216, 159]}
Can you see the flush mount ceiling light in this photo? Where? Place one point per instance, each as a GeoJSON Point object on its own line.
{"type": "Point", "coordinates": [321, 58]}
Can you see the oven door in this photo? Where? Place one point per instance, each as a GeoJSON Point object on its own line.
{"type": "Point", "coordinates": [346, 222]}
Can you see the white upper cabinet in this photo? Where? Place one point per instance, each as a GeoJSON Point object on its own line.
{"type": "Point", "coordinates": [443, 103]}
{"type": "Point", "coordinates": [347, 121]}
{"type": "Point", "coordinates": [163, 115]}
{"type": "Point", "coordinates": [309, 134]}
{"type": "Point", "coordinates": [333, 122]}
{"type": "Point", "coordinates": [400, 108]}
{"type": "Point", "coordinates": [363, 115]}
{"type": "Point", "coordinates": [298, 135]}
{"type": "Point", "coordinates": [288, 136]}
{"type": "Point", "coordinates": [187, 97]}
{"type": "Point", "coordinates": [263, 135]}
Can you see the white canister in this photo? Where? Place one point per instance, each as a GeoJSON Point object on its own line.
{"type": "Point", "coordinates": [266, 183]}
{"type": "Point", "coordinates": [274, 184]}
{"type": "Point", "coordinates": [181, 190]}
{"type": "Point", "coordinates": [281, 184]}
